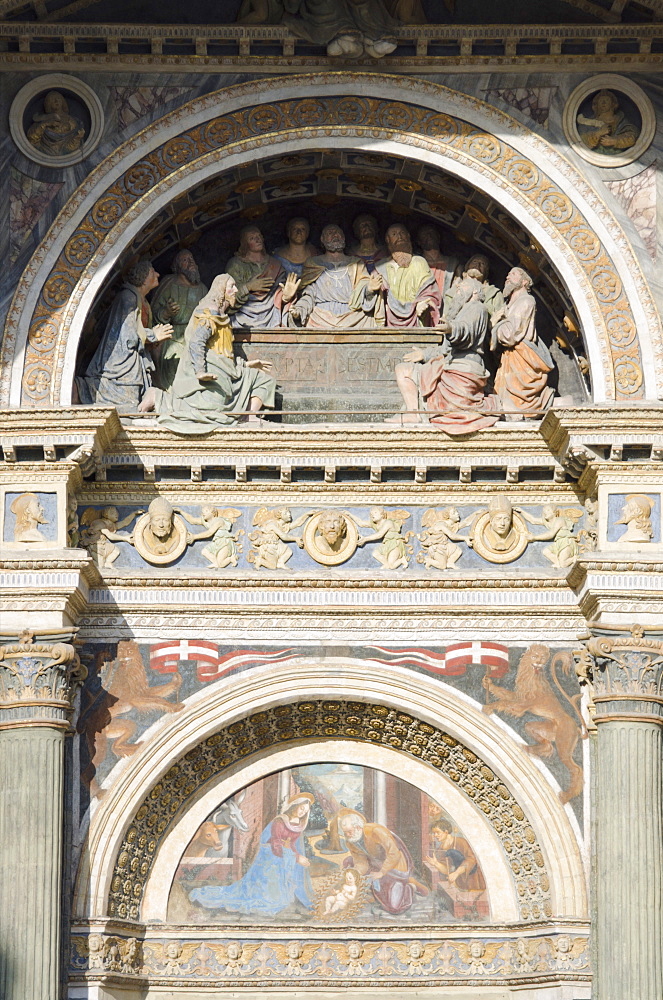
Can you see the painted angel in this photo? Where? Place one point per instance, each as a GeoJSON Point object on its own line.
{"type": "Point", "coordinates": [223, 550]}
{"type": "Point", "coordinates": [559, 523]}
{"type": "Point", "coordinates": [273, 531]}
{"type": "Point", "coordinates": [441, 531]}
{"type": "Point", "coordinates": [96, 524]}
{"type": "Point", "coordinates": [393, 552]}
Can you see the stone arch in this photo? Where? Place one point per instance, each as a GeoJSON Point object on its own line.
{"type": "Point", "coordinates": [453, 131]}
{"type": "Point", "coordinates": [487, 848]}
{"type": "Point", "coordinates": [238, 721]}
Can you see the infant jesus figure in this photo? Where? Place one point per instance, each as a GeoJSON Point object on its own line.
{"type": "Point", "coordinates": [344, 894]}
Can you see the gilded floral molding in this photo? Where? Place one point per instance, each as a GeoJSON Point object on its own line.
{"type": "Point", "coordinates": [332, 720]}
{"type": "Point", "coordinates": [258, 124]}
{"type": "Point", "coordinates": [501, 959]}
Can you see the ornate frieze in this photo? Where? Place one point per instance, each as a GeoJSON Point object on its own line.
{"type": "Point", "coordinates": [400, 540]}
{"type": "Point", "coordinates": [501, 959]}
{"type": "Point", "coordinates": [39, 677]}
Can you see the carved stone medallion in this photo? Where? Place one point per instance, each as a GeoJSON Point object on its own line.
{"type": "Point", "coordinates": [160, 549]}
{"type": "Point", "coordinates": [330, 537]}
{"type": "Point", "coordinates": [56, 120]}
{"type": "Point", "coordinates": [497, 545]}
{"type": "Point", "coordinates": [609, 120]}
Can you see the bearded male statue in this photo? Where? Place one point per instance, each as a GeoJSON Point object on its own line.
{"type": "Point", "coordinates": [174, 302]}
{"type": "Point", "coordinates": [338, 292]}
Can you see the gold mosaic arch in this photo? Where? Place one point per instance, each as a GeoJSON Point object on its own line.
{"type": "Point", "coordinates": [256, 125]}
{"type": "Point", "coordinates": [316, 720]}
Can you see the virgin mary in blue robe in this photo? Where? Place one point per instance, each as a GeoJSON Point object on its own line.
{"type": "Point", "coordinates": [279, 873]}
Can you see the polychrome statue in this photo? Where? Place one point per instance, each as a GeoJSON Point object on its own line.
{"type": "Point", "coordinates": [212, 387]}
{"type": "Point", "coordinates": [262, 292]}
{"type": "Point", "coordinates": [173, 302]}
{"type": "Point", "coordinates": [450, 379]}
{"type": "Point", "coordinates": [337, 291]}
{"type": "Point", "coordinates": [525, 362]}
{"type": "Point", "coordinates": [120, 372]}
{"type": "Point", "coordinates": [412, 297]}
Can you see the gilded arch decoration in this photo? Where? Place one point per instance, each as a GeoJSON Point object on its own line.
{"type": "Point", "coordinates": [352, 118]}
{"type": "Point", "coordinates": [328, 719]}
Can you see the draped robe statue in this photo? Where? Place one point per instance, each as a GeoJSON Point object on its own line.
{"type": "Point", "coordinates": [525, 363]}
{"type": "Point", "coordinates": [120, 372]}
{"type": "Point", "coordinates": [449, 380]}
{"type": "Point", "coordinates": [212, 387]}
{"type": "Point", "coordinates": [411, 292]}
{"type": "Point", "coordinates": [174, 302]}
{"type": "Point", "coordinates": [259, 277]}
{"type": "Point", "coordinates": [338, 291]}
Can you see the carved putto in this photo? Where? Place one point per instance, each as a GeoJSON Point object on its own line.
{"type": "Point", "coordinates": [98, 527]}
{"type": "Point", "coordinates": [441, 527]}
{"type": "Point", "coordinates": [273, 533]}
{"type": "Point", "coordinates": [559, 523]}
{"type": "Point", "coordinates": [393, 552]}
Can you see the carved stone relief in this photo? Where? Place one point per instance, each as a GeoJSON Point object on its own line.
{"type": "Point", "coordinates": [439, 539]}
{"type": "Point", "coordinates": [230, 962]}
{"type": "Point", "coordinates": [56, 120]}
{"type": "Point", "coordinates": [609, 120]}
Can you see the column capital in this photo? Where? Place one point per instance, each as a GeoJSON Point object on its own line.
{"type": "Point", "coordinates": [39, 675]}
{"type": "Point", "coordinates": [624, 670]}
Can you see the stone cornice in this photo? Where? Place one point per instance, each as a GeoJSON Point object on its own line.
{"type": "Point", "coordinates": [610, 48]}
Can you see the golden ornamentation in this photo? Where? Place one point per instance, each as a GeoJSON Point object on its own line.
{"type": "Point", "coordinates": [462, 141]}
{"type": "Point", "coordinates": [359, 721]}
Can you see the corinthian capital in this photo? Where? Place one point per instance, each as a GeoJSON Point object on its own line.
{"type": "Point", "coordinates": [625, 671]}
{"type": "Point", "coordinates": [39, 675]}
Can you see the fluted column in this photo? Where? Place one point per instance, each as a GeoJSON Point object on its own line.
{"type": "Point", "coordinates": [626, 676]}
{"type": "Point", "coordinates": [38, 679]}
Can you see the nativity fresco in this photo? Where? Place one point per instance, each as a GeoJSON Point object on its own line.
{"type": "Point", "coordinates": [329, 843]}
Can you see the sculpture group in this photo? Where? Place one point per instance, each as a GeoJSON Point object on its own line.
{"type": "Point", "coordinates": [176, 354]}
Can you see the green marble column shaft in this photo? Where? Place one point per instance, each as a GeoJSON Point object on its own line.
{"type": "Point", "coordinates": [626, 673]}
{"type": "Point", "coordinates": [38, 680]}
{"type": "Point", "coordinates": [31, 778]}
{"type": "Point", "coordinates": [629, 888]}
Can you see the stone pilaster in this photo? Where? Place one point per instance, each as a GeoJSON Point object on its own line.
{"type": "Point", "coordinates": [39, 675]}
{"type": "Point", "coordinates": [626, 676]}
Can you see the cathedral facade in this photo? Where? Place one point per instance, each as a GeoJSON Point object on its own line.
{"type": "Point", "coordinates": [331, 500]}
